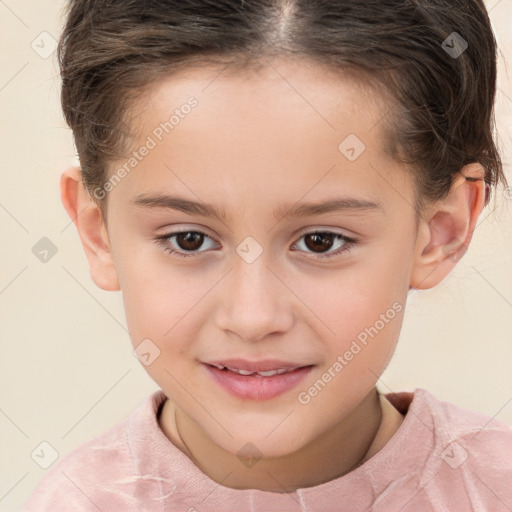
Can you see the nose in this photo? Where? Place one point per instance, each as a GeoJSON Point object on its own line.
{"type": "Point", "coordinates": [254, 301]}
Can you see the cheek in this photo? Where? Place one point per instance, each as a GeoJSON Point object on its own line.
{"type": "Point", "coordinates": [366, 330]}
{"type": "Point", "coordinates": [358, 311]}
{"type": "Point", "coordinates": [163, 306]}
{"type": "Point", "coordinates": [347, 300]}
{"type": "Point", "coordinates": [159, 300]}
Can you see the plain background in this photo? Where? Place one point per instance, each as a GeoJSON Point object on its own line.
{"type": "Point", "coordinates": [67, 370]}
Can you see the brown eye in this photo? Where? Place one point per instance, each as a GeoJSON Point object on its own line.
{"type": "Point", "coordinates": [189, 240]}
{"type": "Point", "coordinates": [184, 243]}
{"type": "Point", "coordinates": [319, 241]}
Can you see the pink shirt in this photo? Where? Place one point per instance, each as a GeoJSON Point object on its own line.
{"type": "Point", "coordinates": [442, 458]}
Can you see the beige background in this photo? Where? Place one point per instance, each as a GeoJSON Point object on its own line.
{"type": "Point", "coordinates": [67, 372]}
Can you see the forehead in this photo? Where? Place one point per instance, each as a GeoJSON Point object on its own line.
{"type": "Point", "coordinates": [298, 87]}
{"type": "Point", "coordinates": [283, 128]}
{"type": "Point", "coordinates": [266, 94]}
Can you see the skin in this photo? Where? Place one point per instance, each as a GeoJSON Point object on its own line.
{"type": "Point", "coordinates": [251, 144]}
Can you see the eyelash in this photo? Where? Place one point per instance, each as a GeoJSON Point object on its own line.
{"type": "Point", "coordinates": [345, 248]}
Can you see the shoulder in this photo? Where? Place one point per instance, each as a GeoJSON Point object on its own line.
{"type": "Point", "coordinates": [449, 420]}
{"type": "Point", "coordinates": [472, 455]}
{"type": "Point", "coordinates": [459, 423]}
{"type": "Point", "coordinates": [87, 478]}
{"type": "Point", "coordinates": [456, 459]}
{"type": "Point", "coordinates": [484, 442]}
{"type": "Point", "coordinates": [483, 436]}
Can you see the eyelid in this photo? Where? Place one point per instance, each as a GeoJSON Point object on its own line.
{"type": "Point", "coordinates": [180, 228]}
{"type": "Point", "coordinates": [325, 229]}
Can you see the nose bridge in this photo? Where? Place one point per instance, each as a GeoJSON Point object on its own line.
{"type": "Point", "coordinates": [254, 302]}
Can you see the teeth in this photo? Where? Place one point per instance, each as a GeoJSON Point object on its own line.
{"type": "Point", "coordinates": [269, 373]}
{"type": "Point", "coordinates": [242, 372]}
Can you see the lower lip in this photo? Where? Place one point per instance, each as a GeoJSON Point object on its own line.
{"type": "Point", "coordinates": [257, 388]}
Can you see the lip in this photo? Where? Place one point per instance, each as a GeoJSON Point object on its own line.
{"type": "Point", "coordinates": [257, 388]}
{"type": "Point", "coordinates": [264, 365]}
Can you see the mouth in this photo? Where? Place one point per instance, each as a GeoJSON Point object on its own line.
{"type": "Point", "coordinates": [259, 380]}
{"type": "Point", "coordinates": [246, 373]}
{"type": "Point", "coordinates": [262, 367]}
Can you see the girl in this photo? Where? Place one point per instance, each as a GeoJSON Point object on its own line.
{"type": "Point", "coordinates": [265, 182]}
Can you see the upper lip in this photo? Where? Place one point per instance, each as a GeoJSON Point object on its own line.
{"type": "Point", "coordinates": [265, 365]}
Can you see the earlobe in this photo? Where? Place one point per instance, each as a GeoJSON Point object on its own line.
{"type": "Point", "coordinates": [86, 216]}
{"type": "Point", "coordinates": [447, 228]}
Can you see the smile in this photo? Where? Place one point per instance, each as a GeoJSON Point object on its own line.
{"type": "Point", "coordinates": [257, 385]}
{"type": "Point", "coordinates": [269, 373]}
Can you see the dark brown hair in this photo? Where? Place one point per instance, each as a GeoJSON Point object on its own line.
{"type": "Point", "coordinates": [435, 58]}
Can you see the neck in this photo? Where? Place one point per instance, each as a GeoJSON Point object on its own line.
{"type": "Point", "coordinates": [338, 451]}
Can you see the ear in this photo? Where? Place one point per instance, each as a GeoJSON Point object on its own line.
{"type": "Point", "coordinates": [87, 218]}
{"type": "Point", "coordinates": [446, 228]}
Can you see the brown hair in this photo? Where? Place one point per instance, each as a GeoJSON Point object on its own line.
{"type": "Point", "coordinates": [436, 58]}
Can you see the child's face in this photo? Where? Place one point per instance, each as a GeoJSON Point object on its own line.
{"type": "Point", "coordinates": [255, 146]}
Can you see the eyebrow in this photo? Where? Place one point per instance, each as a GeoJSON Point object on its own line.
{"type": "Point", "coordinates": [174, 202]}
